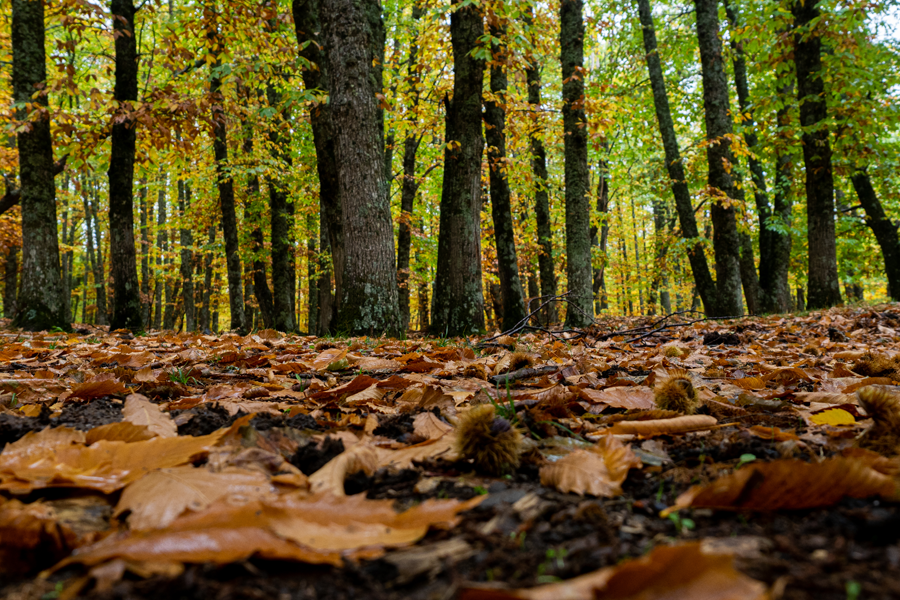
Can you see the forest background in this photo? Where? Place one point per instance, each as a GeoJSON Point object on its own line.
{"type": "Point", "coordinates": [269, 139]}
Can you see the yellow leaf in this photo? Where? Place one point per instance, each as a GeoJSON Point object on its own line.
{"type": "Point", "coordinates": [832, 416]}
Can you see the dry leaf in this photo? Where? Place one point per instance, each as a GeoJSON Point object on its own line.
{"type": "Point", "coordinates": [832, 416]}
{"type": "Point", "coordinates": [789, 484]}
{"type": "Point", "coordinates": [665, 426]}
{"type": "Point", "coordinates": [122, 431]}
{"type": "Point", "coordinates": [599, 471]}
{"type": "Point", "coordinates": [666, 573]}
{"type": "Point", "coordinates": [430, 427]}
{"type": "Point", "coordinates": [330, 478]}
{"type": "Point", "coordinates": [637, 397]}
{"type": "Point", "coordinates": [102, 386]}
{"type": "Point", "coordinates": [140, 411]}
{"type": "Point", "coordinates": [158, 498]}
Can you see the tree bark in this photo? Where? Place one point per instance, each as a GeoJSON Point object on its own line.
{"type": "Point", "coordinates": [541, 191]}
{"type": "Point", "coordinates": [458, 299]}
{"type": "Point", "coordinates": [205, 314]}
{"type": "Point", "coordinates": [884, 229]}
{"type": "Point", "coordinates": [511, 293]}
{"type": "Point", "coordinates": [824, 288]}
{"type": "Point", "coordinates": [41, 301]}
{"type": "Point", "coordinates": [162, 245]}
{"type": "Point", "coordinates": [126, 313]}
{"type": "Point", "coordinates": [11, 282]}
{"type": "Point", "coordinates": [409, 186]}
{"type": "Point", "coordinates": [312, 277]}
{"type": "Point", "coordinates": [369, 304]}
{"type": "Point", "coordinates": [187, 256]}
{"type": "Point", "coordinates": [599, 288]}
{"type": "Point", "coordinates": [283, 268]}
{"type": "Point", "coordinates": [145, 255]}
{"type": "Point", "coordinates": [726, 240]}
{"type": "Point", "coordinates": [253, 218]}
{"type": "Point", "coordinates": [703, 280]}
{"type": "Point", "coordinates": [96, 245]}
{"type": "Point", "coordinates": [579, 312]}
{"type": "Point", "coordinates": [308, 29]}
{"type": "Point", "coordinates": [225, 183]}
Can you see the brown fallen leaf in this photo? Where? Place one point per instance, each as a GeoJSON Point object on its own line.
{"type": "Point", "coordinates": [122, 431]}
{"type": "Point", "coordinates": [430, 427]}
{"type": "Point", "coordinates": [665, 426]}
{"type": "Point", "coordinates": [322, 529]}
{"type": "Point", "coordinates": [788, 484]}
{"type": "Point", "coordinates": [158, 498]}
{"type": "Point", "coordinates": [666, 573]}
{"type": "Point", "coordinates": [772, 433]}
{"type": "Point", "coordinates": [58, 458]}
{"type": "Point", "coordinates": [599, 471]}
{"type": "Point", "coordinates": [139, 410]}
{"type": "Point", "coordinates": [621, 397]}
{"type": "Point", "coordinates": [330, 478]}
{"type": "Point", "coordinates": [105, 385]}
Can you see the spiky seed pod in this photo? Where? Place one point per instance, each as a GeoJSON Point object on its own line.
{"type": "Point", "coordinates": [475, 370]}
{"type": "Point", "coordinates": [322, 346]}
{"type": "Point", "coordinates": [489, 441]}
{"type": "Point", "coordinates": [676, 392]}
{"type": "Point", "coordinates": [884, 408]}
{"type": "Point", "coordinates": [673, 352]}
{"type": "Point", "coordinates": [520, 360]}
{"type": "Point", "coordinates": [878, 365]}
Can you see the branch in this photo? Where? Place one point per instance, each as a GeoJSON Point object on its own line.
{"type": "Point", "coordinates": [12, 195]}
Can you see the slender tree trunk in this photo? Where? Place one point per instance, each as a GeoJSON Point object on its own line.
{"type": "Point", "coordinates": [187, 256]}
{"type": "Point", "coordinates": [458, 300]}
{"type": "Point", "coordinates": [225, 183]}
{"type": "Point", "coordinates": [409, 185]}
{"type": "Point", "coordinates": [326, 297]}
{"type": "Point", "coordinates": [706, 287]}
{"type": "Point", "coordinates": [726, 240]}
{"type": "Point", "coordinates": [824, 288]}
{"type": "Point", "coordinates": [145, 254]}
{"type": "Point", "coordinates": [253, 218]}
{"type": "Point", "coordinates": [162, 245]}
{"type": "Point", "coordinates": [312, 277]}
{"type": "Point", "coordinates": [11, 282]}
{"type": "Point", "coordinates": [65, 258]}
{"type": "Point", "coordinates": [283, 267]}
{"type": "Point", "coordinates": [98, 266]}
{"type": "Point", "coordinates": [205, 315]}
{"type": "Point", "coordinates": [541, 191]}
{"type": "Point", "coordinates": [126, 313]}
{"type": "Point", "coordinates": [511, 293]}
{"type": "Point", "coordinates": [884, 229]}
{"type": "Point", "coordinates": [599, 288]}
{"type": "Point", "coordinates": [369, 295]}
{"type": "Point", "coordinates": [308, 28]}
{"type": "Point", "coordinates": [41, 301]}
{"type": "Point", "coordinates": [579, 312]}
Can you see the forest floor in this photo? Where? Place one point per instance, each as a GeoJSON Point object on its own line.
{"type": "Point", "coordinates": [288, 467]}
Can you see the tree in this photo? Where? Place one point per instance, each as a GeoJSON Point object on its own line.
{"type": "Point", "coordinates": [824, 287]}
{"type": "Point", "coordinates": [541, 193]}
{"type": "Point", "coordinates": [369, 304]}
{"type": "Point", "coordinates": [409, 186]}
{"type": "Point", "coordinates": [126, 313]}
{"type": "Point", "coordinates": [726, 241]}
{"type": "Point", "coordinates": [458, 299]}
{"type": "Point", "coordinates": [700, 268]}
{"type": "Point", "coordinates": [316, 77]}
{"type": "Point", "coordinates": [501, 206]}
{"type": "Point", "coordinates": [187, 256]}
{"type": "Point", "coordinates": [578, 216]}
{"type": "Point", "coordinates": [40, 302]}
{"type": "Point", "coordinates": [884, 229]}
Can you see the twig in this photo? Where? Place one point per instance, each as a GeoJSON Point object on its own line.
{"type": "Point", "coordinates": [523, 323]}
{"type": "Point", "coordinates": [672, 325]}
{"type": "Point", "coordinates": [526, 373]}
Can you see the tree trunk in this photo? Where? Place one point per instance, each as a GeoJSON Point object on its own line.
{"type": "Point", "coordinates": [409, 185]}
{"type": "Point", "coordinates": [162, 245]}
{"type": "Point", "coordinates": [205, 315]}
{"type": "Point", "coordinates": [225, 183]}
{"type": "Point", "coordinates": [726, 240]}
{"type": "Point", "coordinates": [599, 288]}
{"type": "Point", "coordinates": [41, 301]}
{"type": "Point", "coordinates": [312, 277]}
{"type": "Point", "coordinates": [327, 308]}
{"type": "Point", "coordinates": [511, 294]}
{"type": "Point", "coordinates": [369, 304]}
{"type": "Point", "coordinates": [541, 191]}
{"type": "Point", "coordinates": [458, 299]}
{"type": "Point", "coordinates": [253, 217]}
{"type": "Point", "coordinates": [308, 28]}
{"type": "Point", "coordinates": [283, 268]}
{"type": "Point", "coordinates": [95, 248]}
{"type": "Point", "coordinates": [579, 312]}
{"type": "Point", "coordinates": [145, 255]}
{"type": "Point", "coordinates": [824, 288]}
{"type": "Point", "coordinates": [702, 277]}
{"type": "Point", "coordinates": [187, 256]}
{"type": "Point", "coordinates": [884, 229]}
{"type": "Point", "coordinates": [10, 282]}
{"type": "Point", "coordinates": [126, 313]}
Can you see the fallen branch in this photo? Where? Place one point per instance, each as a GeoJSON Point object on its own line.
{"type": "Point", "coordinates": [526, 373]}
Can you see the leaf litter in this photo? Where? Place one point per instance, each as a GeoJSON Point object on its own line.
{"type": "Point", "coordinates": [733, 459]}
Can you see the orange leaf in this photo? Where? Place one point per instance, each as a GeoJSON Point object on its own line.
{"type": "Point", "coordinates": [638, 397]}
{"type": "Point", "coordinates": [788, 484]}
{"type": "Point", "coordinates": [664, 426]}
{"type": "Point", "coordinates": [98, 388]}
{"type": "Point", "coordinates": [599, 471]}
{"type": "Point", "coordinates": [140, 411]}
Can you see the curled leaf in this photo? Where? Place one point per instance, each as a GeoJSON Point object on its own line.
{"type": "Point", "coordinates": [599, 471]}
{"type": "Point", "coordinates": [665, 426]}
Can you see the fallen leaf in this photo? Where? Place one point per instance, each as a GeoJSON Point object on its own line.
{"type": "Point", "coordinates": [158, 498]}
{"type": "Point", "coordinates": [666, 573]}
{"type": "Point", "coordinates": [430, 427]}
{"type": "Point", "coordinates": [139, 410]}
{"type": "Point", "coordinates": [832, 416]}
{"type": "Point", "coordinates": [665, 426]}
{"type": "Point", "coordinates": [122, 431]}
{"type": "Point", "coordinates": [637, 397]}
{"type": "Point", "coordinates": [599, 471]}
{"type": "Point", "coordinates": [97, 388]}
{"type": "Point", "coordinates": [788, 484]}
